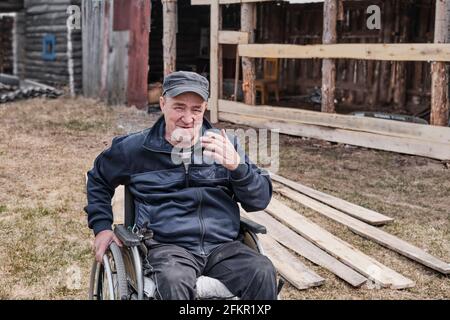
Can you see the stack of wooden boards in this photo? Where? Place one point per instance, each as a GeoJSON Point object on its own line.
{"type": "Point", "coordinates": [396, 136]}
{"type": "Point", "coordinates": [288, 229]}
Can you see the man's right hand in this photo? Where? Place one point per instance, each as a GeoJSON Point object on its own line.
{"type": "Point", "coordinates": [102, 241]}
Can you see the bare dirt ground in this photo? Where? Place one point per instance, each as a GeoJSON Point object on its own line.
{"type": "Point", "coordinates": [46, 147]}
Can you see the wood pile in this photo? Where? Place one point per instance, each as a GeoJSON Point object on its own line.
{"type": "Point", "coordinates": [11, 89]}
{"type": "Point", "coordinates": [289, 231]}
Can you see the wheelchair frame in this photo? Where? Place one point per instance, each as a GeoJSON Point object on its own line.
{"type": "Point", "coordinates": [122, 269]}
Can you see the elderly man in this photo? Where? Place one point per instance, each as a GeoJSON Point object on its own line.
{"type": "Point", "coordinates": [187, 179]}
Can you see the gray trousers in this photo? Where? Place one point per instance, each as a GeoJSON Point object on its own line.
{"type": "Point", "coordinates": [245, 272]}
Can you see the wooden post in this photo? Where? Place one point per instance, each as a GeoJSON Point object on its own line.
{"type": "Point", "coordinates": [386, 66]}
{"type": "Point", "coordinates": [403, 31]}
{"type": "Point", "coordinates": [214, 62]}
{"type": "Point", "coordinates": [329, 65]}
{"type": "Point", "coordinates": [248, 19]}
{"type": "Point", "coordinates": [220, 58]}
{"type": "Point", "coordinates": [170, 27]}
{"type": "Point", "coordinates": [19, 48]}
{"type": "Point", "coordinates": [439, 75]}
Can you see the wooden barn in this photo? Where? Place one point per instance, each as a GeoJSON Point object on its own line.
{"type": "Point", "coordinates": [45, 48]}
{"type": "Point", "coordinates": [328, 53]}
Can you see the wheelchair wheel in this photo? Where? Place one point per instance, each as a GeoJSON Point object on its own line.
{"type": "Point", "coordinates": [109, 280]}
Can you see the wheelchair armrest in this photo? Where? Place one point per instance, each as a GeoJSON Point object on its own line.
{"type": "Point", "coordinates": [128, 238]}
{"type": "Point", "coordinates": [252, 226]}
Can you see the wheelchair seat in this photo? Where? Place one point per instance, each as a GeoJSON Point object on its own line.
{"type": "Point", "coordinates": [207, 288]}
{"type": "Point", "coordinates": [123, 274]}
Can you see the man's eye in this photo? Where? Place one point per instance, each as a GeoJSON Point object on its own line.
{"type": "Point", "coordinates": [197, 111]}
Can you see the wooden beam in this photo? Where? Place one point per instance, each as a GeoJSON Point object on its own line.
{"type": "Point", "coordinates": [364, 51]}
{"type": "Point", "coordinates": [233, 37]}
{"type": "Point", "coordinates": [379, 236]}
{"type": "Point", "coordinates": [363, 139]}
{"type": "Point", "coordinates": [208, 2]}
{"type": "Point", "coordinates": [220, 57]}
{"type": "Point", "coordinates": [365, 124]}
{"type": "Point", "coordinates": [306, 249]}
{"type": "Point", "coordinates": [288, 266]}
{"type": "Point", "coordinates": [363, 214]}
{"type": "Point", "coordinates": [439, 70]}
{"type": "Point", "coordinates": [248, 18]}
{"type": "Point", "coordinates": [329, 65]}
{"type": "Point", "coordinates": [214, 62]}
{"type": "Point", "coordinates": [170, 27]}
{"type": "Point", "coordinates": [367, 266]}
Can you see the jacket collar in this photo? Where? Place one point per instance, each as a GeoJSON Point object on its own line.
{"type": "Point", "coordinates": [156, 141]}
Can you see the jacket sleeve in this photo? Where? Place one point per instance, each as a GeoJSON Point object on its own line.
{"type": "Point", "coordinates": [251, 185]}
{"type": "Point", "coordinates": [110, 170]}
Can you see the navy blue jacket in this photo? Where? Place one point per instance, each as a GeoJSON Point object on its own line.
{"type": "Point", "coordinates": [193, 206]}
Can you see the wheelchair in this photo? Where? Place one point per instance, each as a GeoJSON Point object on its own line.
{"type": "Point", "coordinates": [125, 272]}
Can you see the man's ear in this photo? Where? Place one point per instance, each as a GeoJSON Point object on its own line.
{"type": "Point", "coordinates": [162, 102]}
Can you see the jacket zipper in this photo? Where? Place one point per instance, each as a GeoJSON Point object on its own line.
{"type": "Point", "coordinates": [186, 174]}
{"type": "Point", "coordinates": [202, 224]}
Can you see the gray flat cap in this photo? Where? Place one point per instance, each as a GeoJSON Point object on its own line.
{"type": "Point", "coordinates": [180, 82]}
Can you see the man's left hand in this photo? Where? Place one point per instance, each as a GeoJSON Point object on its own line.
{"type": "Point", "coordinates": [219, 147]}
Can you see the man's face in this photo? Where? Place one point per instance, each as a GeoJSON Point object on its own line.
{"type": "Point", "coordinates": [184, 117]}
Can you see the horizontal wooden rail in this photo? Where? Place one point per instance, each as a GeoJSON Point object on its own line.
{"type": "Point", "coordinates": [233, 37]}
{"type": "Point", "coordinates": [349, 122]}
{"type": "Point", "coordinates": [364, 51]}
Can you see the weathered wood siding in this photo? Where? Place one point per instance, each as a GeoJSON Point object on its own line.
{"type": "Point", "coordinates": [115, 55]}
{"type": "Point", "coordinates": [44, 17]}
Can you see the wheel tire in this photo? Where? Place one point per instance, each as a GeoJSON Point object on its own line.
{"type": "Point", "coordinates": [99, 277]}
{"type": "Point", "coordinates": [122, 283]}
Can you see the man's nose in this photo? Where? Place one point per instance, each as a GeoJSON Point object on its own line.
{"type": "Point", "coordinates": [188, 118]}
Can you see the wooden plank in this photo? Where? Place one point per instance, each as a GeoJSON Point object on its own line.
{"type": "Point", "coordinates": [438, 151]}
{"type": "Point", "coordinates": [107, 29]}
{"type": "Point", "coordinates": [214, 62]}
{"type": "Point", "coordinates": [385, 239]}
{"type": "Point", "coordinates": [329, 65]}
{"type": "Point", "coordinates": [367, 266]}
{"type": "Point", "coordinates": [121, 19]}
{"type": "Point", "coordinates": [439, 71]}
{"type": "Point", "coordinates": [138, 52]}
{"type": "Point", "coordinates": [248, 18]}
{"type": "Point", "coordinates": [306, 249]}
{"type": "Point", "coordinates": [361, 213]}
{"type": "Point", "coordinates": [372, 125]}
{"type": "Point", "coordinates": [92, 15]}
{"type": "Point", "coordinates": [288, 266]}
{"type": "Point", "coordinates": [117, 77]}
{"type": "Point", "coordinates": [364, 51]}
{"type": "Point", "coordinates": [233, 37]}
